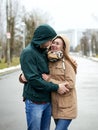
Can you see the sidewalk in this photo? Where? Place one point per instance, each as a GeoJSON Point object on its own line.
{"type": "Point", "coordinates": [93, 58]}
{"type": "Point", "coordinates": [9, 70]}
{"type": "Point", "coordinates": [14, 68]}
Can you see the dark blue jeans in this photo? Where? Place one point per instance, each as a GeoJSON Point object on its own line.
{"type": "Point", "coordinates": [62, 124]}
{"type": "Point", "coordinates": [38, 115]}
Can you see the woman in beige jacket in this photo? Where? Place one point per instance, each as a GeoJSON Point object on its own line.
{"type": "Point", "coordinates": [62, 69]}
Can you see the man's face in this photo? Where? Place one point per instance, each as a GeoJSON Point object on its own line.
{"type": "Point", "coordinates": [45, 45]}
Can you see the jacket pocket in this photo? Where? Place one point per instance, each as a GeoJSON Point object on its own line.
{"type": "Point", "coordinates": [65, 101]}
{"type": "Point", "coordinates": [59, 69]}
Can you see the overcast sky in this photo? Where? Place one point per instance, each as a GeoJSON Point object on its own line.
{"type": "Point", "coordinates": [68, 14]}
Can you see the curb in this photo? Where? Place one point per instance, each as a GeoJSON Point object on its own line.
{"type": "Point", "coordinates": [9, 70]}
{"type": "Point", "coordinates": [94, 59]}
{"type": "Point", "coordinates": [14, 68]}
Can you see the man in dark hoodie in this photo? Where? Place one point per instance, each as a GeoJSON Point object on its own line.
{"type": "Point", "coordinates": [37, 92]}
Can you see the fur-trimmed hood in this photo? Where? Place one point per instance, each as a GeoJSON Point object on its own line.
{"type": "Point", "coordinates": [66, 41]}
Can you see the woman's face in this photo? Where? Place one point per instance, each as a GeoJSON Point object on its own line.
{"type": "Point", "coordinates": [57, 45]}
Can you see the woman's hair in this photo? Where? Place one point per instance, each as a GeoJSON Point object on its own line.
{"type": "Point", "coordinates": [71, 61]}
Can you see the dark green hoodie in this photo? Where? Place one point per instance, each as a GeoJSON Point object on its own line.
{"type": "Point", "coordinates": [34, 63]}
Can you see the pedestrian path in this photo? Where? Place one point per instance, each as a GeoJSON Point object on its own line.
{"type": "Point", "coordinates": [11, 69]}
{"type": "Point", "coordinates": [8, 70]}
{"type": "Point", "coordinates": [93, 58]}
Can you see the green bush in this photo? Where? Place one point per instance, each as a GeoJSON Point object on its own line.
{"type": "Point", "coordinates": [97, 56]}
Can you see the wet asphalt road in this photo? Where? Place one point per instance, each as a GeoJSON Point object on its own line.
{"type": "Point", "coordinates": [87, 93]}
{"type": "Point", "coordinates": [12, 112]}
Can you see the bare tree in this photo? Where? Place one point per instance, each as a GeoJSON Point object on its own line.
{"type": "Point", "coordinates": [14, 15]}
{"type": "Point", "coordinates": [2, 28]}
{"type": "Point", "coordinates": [84, 45]}
{"type": "Point", "coordinates": [12, 9]}
{"type": "Point", "coordinates": [32, 20]}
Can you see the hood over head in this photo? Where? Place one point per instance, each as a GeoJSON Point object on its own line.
{"type": "Point", "coordinates": [43, 34]}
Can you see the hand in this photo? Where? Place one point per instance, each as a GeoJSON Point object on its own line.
{"type": "Point", "coordinates": [74, 61]}
{"type": "Point", "coordinates": [22, 78]}
{"type": "Point", "coordinates": [67, 84]}
{"type": "Point", "coordinates": [63, 88]}
{"type": "Point", "coordinates": [45, 76]}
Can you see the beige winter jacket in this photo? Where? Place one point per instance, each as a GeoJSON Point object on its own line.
{"type": "Point", "coordinates": [63, 106]}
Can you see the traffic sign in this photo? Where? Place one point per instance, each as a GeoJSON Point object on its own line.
{"type": "Point", "coordinates": [8, 35]}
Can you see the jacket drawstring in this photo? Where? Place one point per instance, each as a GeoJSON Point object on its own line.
{"type": "Point", "coordinates": [63, 63]}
